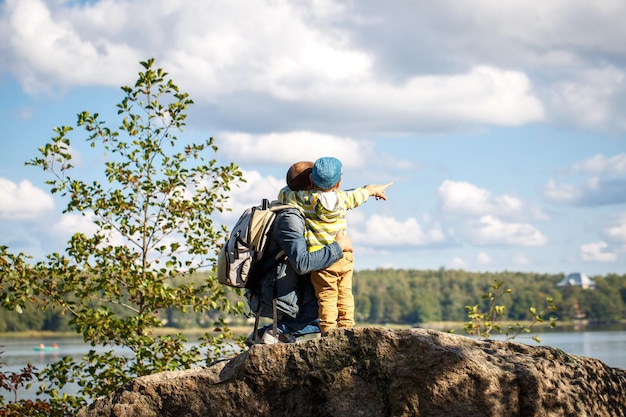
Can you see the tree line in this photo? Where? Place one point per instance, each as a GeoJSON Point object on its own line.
{"type": "Point", "coordinates": [410, 297]}
{"type": "Point", "coordinates": [426, 296]}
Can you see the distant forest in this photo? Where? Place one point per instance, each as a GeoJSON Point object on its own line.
{"type": "Point", "coordinates": [412, 297]}
{"type": "Point", "coordinates": [416, 296]}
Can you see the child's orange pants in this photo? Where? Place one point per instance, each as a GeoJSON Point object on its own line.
{"type": "Point", "coordinates": [333, 288]}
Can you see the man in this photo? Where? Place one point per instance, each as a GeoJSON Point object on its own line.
{"type": "Point", "coordinates": [288, 279]}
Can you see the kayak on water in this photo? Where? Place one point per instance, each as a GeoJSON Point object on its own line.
{"type": "Point", "coordinates": [44, 348]}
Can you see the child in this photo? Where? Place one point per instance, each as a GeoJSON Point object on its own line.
{"type": "Point", "coordinates": [324, 209]}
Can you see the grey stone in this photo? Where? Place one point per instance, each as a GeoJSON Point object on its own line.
{"type": "Point", "coordinates": [380, 372]}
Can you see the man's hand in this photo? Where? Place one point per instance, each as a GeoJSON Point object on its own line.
{"type": "Point", "coordinates": [378, 191]}
{"type": "Point", "coordinates": [345, 243]}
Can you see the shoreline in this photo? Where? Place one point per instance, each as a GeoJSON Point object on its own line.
{"type": "Point", "coordinates": [243, 330]}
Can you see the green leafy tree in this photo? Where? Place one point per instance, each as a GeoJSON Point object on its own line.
{"type": "Point", "coordinates": [484, 323]}
{"type": "Point", "coordinates": [605, 304]}
{"type": "Point", "coordinates": [153, 224]}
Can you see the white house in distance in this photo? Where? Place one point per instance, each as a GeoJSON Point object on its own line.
{"type": "Point", "coordinates": [577, 279]}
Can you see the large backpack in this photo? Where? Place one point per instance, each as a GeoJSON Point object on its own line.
{"type": "Point", "coordinates": [246, 245]}
{"type": "Point", "coordinates": [244, 248]}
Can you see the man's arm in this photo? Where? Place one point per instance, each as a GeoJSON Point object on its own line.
{"type": "Point", "coordinates": [289, 231]}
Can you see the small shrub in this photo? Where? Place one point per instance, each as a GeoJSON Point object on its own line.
{"type": "Point", "coordinates": [482, 324]}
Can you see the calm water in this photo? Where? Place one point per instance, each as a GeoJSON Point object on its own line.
{"type": "Point", "coordinates": [607, 344]}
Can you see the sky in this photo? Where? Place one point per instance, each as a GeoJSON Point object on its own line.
{"type": "Point", "coordinates": [500, 123]}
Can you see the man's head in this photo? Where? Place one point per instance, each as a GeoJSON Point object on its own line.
{"type": "Point", "coordinates": [299, 176]}
{"type": "Point", "coordinates": [326, 173]}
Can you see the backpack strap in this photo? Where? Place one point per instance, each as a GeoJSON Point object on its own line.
{"type": "Point", "coordinates": [257, 318]}
{"type": "Point", "coordinates": [275, 317]}
{"type": "Point", "coordinates": [274, 306]}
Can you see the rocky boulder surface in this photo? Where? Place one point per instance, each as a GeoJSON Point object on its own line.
{"type": "Point", "coordinates": [380, 372]}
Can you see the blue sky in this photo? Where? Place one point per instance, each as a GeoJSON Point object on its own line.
{"type": "Point", "coordinates": [500, 124]}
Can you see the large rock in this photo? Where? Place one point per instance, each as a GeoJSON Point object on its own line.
{"type": "Point", "coordinates": [380, 372]}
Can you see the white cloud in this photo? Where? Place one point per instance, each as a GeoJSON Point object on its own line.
{"type": "Point", "coordinates": [603, 182]}
{"type": "Point", "coordinates": [491, 231]}
{"type": "Point", "coordinates": [296, 61]}
{"type": "Point", "coordinates": [553, 24]}
{"type": "Point", "coordinates": [583, 82]}
{"type": "Point", "coordinates": [560, 192]}
{"type": "Point", "coordinates": [250, 193]}
{"type": "Point", "coordinates": [595, 191]}
{"type": "Point", "coordinates": [616, 232]}
{"type": "Point", "coordinates": [591, 97]}
{"type": "Point", "coordinates": [206, 43]}
{"type": "Point", "coordinates": [456, 263]}
{"type": "Point", "coordinates": [483, 258]}
{"type": "Point", "coordinates": [287, 148]}
{"type": "Point", "coordinates": [596, 252]}
{"type": "Point", "coordinates": [46, 41]}
{"type": "Point", "coordinates": [483, 95]}
{"type": "Point", "coordinates": [289, 52]}
{"type": "Point", "coordinates": [23, 200]}
{"type": "Point", "coordinates": [463, 198]}
{"type": "Point", "coordinates": [72, 223]}
{"type": "Point", "coordinates": [600, 164]}
{"type": "Point", "coordinates": [381, 230]}
{"type": "Point", "coordinates": [475, 61]}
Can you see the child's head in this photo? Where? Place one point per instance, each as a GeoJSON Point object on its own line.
{"type": "Point", "coordinates": [327, 172]}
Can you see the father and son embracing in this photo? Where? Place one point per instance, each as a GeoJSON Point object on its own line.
{"type": "Point", "coordinates": [311, 286]}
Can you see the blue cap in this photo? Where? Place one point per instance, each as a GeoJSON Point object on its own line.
{"type": "Point", "coordinates": [327, 172]}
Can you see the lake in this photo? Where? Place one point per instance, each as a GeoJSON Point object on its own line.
{"type": "Point", "coordinates": [606, 343]}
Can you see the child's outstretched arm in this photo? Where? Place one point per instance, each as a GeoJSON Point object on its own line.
{"type": "Point", "coordinates": [378, 191]}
